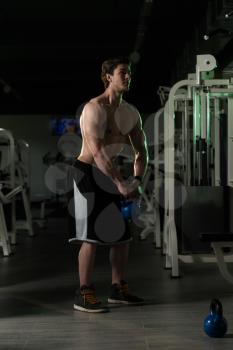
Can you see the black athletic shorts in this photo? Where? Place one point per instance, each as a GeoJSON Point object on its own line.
{"type": "Point", "coordinates": [97, 207]}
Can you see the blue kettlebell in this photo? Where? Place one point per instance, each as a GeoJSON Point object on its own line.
{"type": "Point", "coordinates": [215, 325]}
{"type": "Point", "coordinates": [126, 209]}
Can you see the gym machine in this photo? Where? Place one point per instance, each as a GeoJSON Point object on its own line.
{"type": "Point", "coordinates": [13, 181]}
{"type": "Point", "coordinates": [197, 158]}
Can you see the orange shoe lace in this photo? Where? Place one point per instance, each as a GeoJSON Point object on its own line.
{"type": "Point", "coordinates": [89, 296]}
{"type": "Point", "coordinates": [124, 288]}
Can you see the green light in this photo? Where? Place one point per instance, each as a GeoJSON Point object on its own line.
{"type": "Point", "coordinates": [221, 94]}
{"type": "Point", "coordinates": [208, 119]}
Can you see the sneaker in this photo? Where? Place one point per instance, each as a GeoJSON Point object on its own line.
{"type": "Point", "coordinates": [120, 295]}
{"type": "Point", "coordinates": [85, 300]}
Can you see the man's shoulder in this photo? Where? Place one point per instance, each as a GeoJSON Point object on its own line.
{"type": "Point", "coordinates": [96, 102]}
{"type": "Point", "coordinates": [94, 111]}
{"type": "Point", "coordinates": [127, 106]}
{"type": "Point", "coordinates": [93, 105]}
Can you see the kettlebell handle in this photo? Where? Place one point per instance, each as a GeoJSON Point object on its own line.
{"type": "Point", "coordinates": [216, 307]}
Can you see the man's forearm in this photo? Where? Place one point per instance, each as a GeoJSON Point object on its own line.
{"type": "Point", "coordinates": [105, 164]}
{"type": "Point", "coordinates": [140, 165]}
{"type": "Point", "coordinates": [127, 190]}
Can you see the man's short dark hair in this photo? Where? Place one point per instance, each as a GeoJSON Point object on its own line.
{"type": "Point", "coordinates": [110, 64]}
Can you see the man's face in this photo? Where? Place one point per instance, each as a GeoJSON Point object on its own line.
{"type": "Point", "coordinates": [121, 77]}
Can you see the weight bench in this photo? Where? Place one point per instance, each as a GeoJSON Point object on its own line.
{"type": "Point", "coordinates": [220, 240]}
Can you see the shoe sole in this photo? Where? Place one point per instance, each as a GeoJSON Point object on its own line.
{"type": "Point", "coordinates": [124, 302]}
{"type": "Point", "coordinates": [80, 308]}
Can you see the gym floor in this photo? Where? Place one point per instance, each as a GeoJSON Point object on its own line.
{"type": "Point", "coordinates": [37, 285]}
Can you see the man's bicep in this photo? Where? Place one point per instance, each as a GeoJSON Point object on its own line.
{"type": "Point", "coordinates": [95, 144]}
{"type": "Point", "coordinates": [138, 139]}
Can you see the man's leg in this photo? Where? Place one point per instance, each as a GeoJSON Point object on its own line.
{"type": "Point", "coordinates": [86, 260]}
{"type": "Point", "coordinates": [119, 289]}
{"type": "Point", "coordinates": [85, 298]}
{"type": "Point", "coordinates": [119, 258]}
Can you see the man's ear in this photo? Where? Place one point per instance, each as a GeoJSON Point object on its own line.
{"type": "Point", "coordinates": [109, 77]}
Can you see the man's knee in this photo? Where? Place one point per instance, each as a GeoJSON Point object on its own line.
{"type": "Point", "coordinates": [89, 246]}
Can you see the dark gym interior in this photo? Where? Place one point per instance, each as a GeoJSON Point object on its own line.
{"type": "Point", "coordinates": [181, 254]}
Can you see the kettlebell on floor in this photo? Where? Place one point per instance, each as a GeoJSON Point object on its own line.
{"type": "Point", "coordinates": [215, 325]}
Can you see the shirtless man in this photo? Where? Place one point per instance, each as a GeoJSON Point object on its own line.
{"type": "Point", "coordinates": [107, 124]}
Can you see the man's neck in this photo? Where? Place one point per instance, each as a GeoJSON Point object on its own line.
{"type": "Point", "coordinates": [113, 98]}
